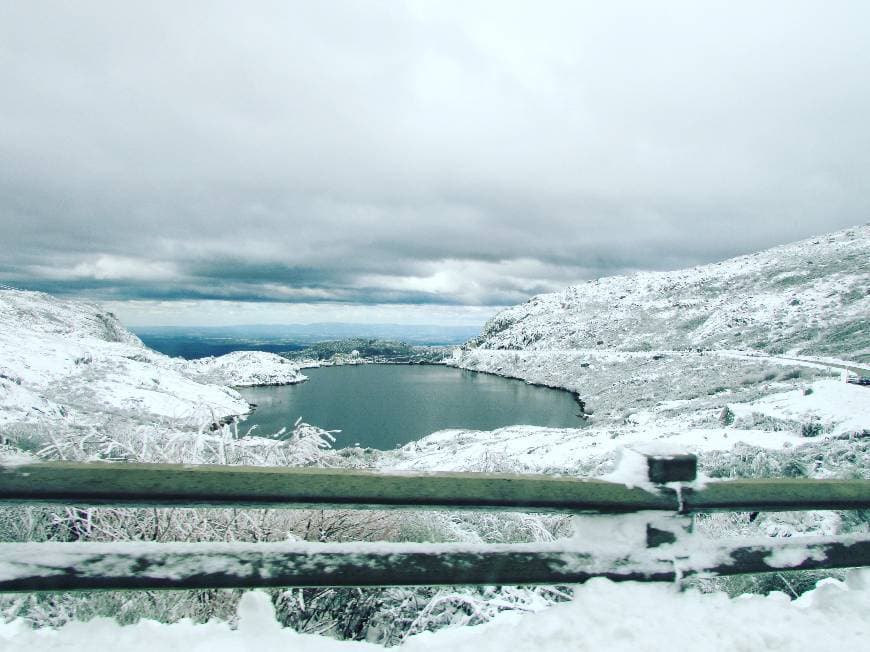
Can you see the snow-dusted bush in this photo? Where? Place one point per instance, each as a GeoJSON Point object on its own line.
{"type": "Point", "coordinates": [110, 441]}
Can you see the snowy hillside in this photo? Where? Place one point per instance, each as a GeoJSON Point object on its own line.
{"type": "Point", "coordinates": [245, 369]}
{"type": "Point", "coordinates": [751, 350]}
{"type": "Point", "coordinates": [812, 297]}
{"type": "Point", "coordinates": [71, 364]}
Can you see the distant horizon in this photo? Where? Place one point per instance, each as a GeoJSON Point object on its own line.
{"type": "Point", "coordinates": [176, 313]}
{"type": "Point", "coordinates": [201, 341]}
{"type": "Point", "coordinates": [301, 325]}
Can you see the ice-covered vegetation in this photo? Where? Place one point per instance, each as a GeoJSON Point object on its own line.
{"type": "Point", "coordinates": [602, 616]}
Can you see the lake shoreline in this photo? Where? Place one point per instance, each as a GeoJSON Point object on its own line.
{"type": "Point", "coordinates": [382, 409]}
{"type": "Point", "coordinates": [580, 402]}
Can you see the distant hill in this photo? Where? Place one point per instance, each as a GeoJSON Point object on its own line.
{"type": "Point", "coordinates": [368, 348]}
{"type": "Point", "coordinates": [304, 334]}
{"type": "Point", "coordinates": [194, 347]}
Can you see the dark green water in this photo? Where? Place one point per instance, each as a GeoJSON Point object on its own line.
{"type": "Point", "coordinates": [384, 406]}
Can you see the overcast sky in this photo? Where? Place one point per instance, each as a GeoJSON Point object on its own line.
{"type": "Point", "coordinates": [420, 162]}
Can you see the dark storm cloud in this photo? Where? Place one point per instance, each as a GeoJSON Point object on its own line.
{"type": "Point", "coordinates": [418, 153]}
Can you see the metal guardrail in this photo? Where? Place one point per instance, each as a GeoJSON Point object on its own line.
{"type": "Point", "coordinates": [176, 485]}
{"type": "Point", "coordinates": [664, 554]}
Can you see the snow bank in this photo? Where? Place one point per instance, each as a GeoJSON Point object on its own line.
{"type": "Point", "coordinates": [609, 616]}
{"type": "Point", "coordinates": [603, 616]}
{"type": "Point", "coordinates": [830, 406]}
{"type": "Point", "coordinates": [539, 449]}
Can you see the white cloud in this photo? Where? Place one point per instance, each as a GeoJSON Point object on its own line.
{"type": "Point", "coordinates": [111, 268]}
{"type": "Point", "coordinates": [473, 282]}
{"type": "Point", "coordinates": [422, 152]}
{"type": "Point", "coordinates": [234, 313]}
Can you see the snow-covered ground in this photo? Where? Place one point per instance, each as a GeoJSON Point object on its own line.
{"type": "Point", "coordinates": [825, 406]}
{"type": "Point", "coordinates": [69, 364]}
{"type": "Point", "coordinates": [602, 616]}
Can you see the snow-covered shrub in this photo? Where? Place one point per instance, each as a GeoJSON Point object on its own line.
{"type": "Point", "coordinates": [792, 583]}
{"type": "Point", "coordinates": [458, 607]}
{"type": "Point", "coordinates": [791, 374]}
{"type": "Point", "coordinates": [761, 421]}
{"type": "Point", "coordinates": [305, 445]}
{"type": "Point", "coordinates": [820, 459]}
{"type": "Point", "coordinates": [829, 458]}
{"type": "Point", "coordinates": [812, 428]}
{"type": "Point", "coordinates": [115, 440]}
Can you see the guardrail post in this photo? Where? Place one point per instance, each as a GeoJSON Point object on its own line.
{"type": "Point", "coordinates": [664, 475]}
{"type": "Point", "coordinates": [663, 470]}
{"type": "Point", "coordinates": [672, 468]}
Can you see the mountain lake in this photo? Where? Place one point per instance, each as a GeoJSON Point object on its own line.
{"type": "Point", "coordinates": [387, 405]}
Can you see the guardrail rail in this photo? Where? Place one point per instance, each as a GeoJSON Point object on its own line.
{"type": "Point", "coordinates": [666, 551]}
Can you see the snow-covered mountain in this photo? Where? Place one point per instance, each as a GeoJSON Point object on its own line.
{"type": "Point", "coordinates": [71, 363]}
{"type": "Point", "coordinates": [749, 350]}
{"type": "Point", "coordinates": [811, 297]}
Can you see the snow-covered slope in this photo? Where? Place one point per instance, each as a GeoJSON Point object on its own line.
{"type": "Point", "coordinates": [69, 363]}
{"type": "Point", "coordinates": [245, 369]}
{"type": "Point", "coordinates": [747, 350]}
{"type": "Point", "coordinates": [811, 296]}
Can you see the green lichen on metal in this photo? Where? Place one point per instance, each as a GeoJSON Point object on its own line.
{"type": "Point", "coordinates": [777, 494]}
{"type": "Point", "coordinates": [103, 484]}
{"type": "Point", "coordinates": [238, 486]}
